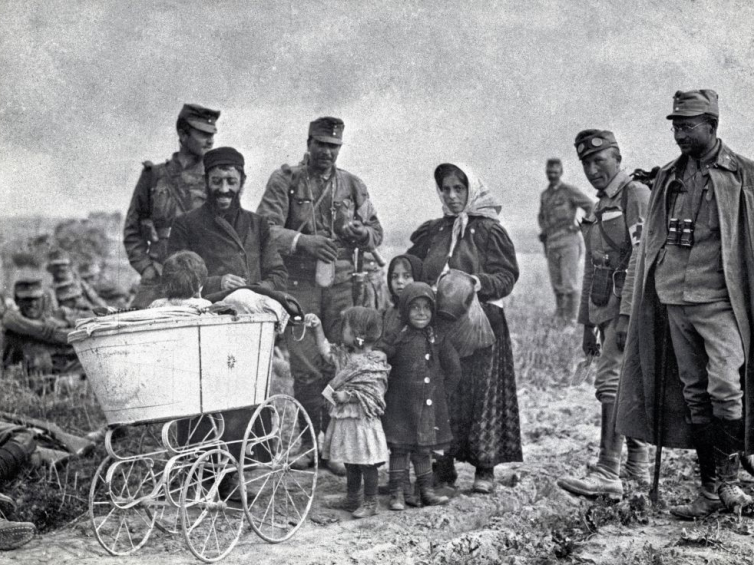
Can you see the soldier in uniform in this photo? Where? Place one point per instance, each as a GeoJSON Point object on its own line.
{"type": "Point", "coordinates": [165, 192]}
{"type": "Point", "coordinates": [112, 293]}
{"type": "Point", "coordinates": [60, 267]}
{"type": "Point", "coordinates": [564, 245]}
{"type": "Point", "coordinates": [612, 232]}
{"type": "Point", "coordinates": [33, 337]}
{"type": "Point", "coordinates": [693, 308]}
{"type": "Point", "coordinates": [71, 302]}
{"type": "Point", "coordinates": [319, 214]}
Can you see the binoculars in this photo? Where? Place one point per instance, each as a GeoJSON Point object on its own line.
{"type": "Point", "coordinates": [680, 232]}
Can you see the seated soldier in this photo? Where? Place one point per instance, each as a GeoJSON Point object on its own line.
{"type": "Point", "coordinates": [111, 292]}
{"type": "Point", "coordinates": [60, 267]}
{"type": "Point", "coordinates": [34, 338]}
{"type": "Point", "coordinates": [71, 302]}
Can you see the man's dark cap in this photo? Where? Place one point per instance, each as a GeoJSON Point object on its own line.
{"type": "Point", "coordinates": [222, 156]}
{"type": "Point", "coordinates": [199, 117]}
{"type": "Point", "coordinates": [327, 130]}
{"type": "Point", "coordinates": [694, 103]}
{"type": "Point", "coordinates": [591, 141]}
{"type": "Point", "coordinates": [58, 257]}
{"type": "Point", "coordinates": [28, 287]}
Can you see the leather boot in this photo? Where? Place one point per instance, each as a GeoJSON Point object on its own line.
{"type": "Point", "coordinates": [367, 509]}
{"type": "Point", "coordinates": [396, 486]}
{"type": "Point", "coordinates": [427, 492]}
{"type": "Point", "coordinates": [707, 501]}
{"type": "Point", "coordinates": [15, 534]}
{"type": "Point", "coordinates": [604, 479]}
{"type": "Point", "coordinates": [637, 462]}
{"type": "Point", "coordinates": [444, 470]}
{"type": "Point", "coordinates": [730, 434]}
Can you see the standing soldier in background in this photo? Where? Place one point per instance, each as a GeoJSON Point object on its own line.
{"type": "Point", "coordinates": [319, 214]}
{"type": "Point", "coordinates": [560, 235]}
{"type": "Point", "coordinates": [612, 232]}
{"type": "Point", "coordinates": [165, 192]}
{"type": "Point", "coordinates": [694, 308]}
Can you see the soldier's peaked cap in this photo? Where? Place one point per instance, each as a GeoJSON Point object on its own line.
{"type": "Point", "coordinates": [592, 141]}
{"type": "Point", "coordinates": [327, 129]}
{"type": "Point", "coordinates": [58, 257]}
{"type": "Point", "coordinates": [199, 117]}
{"type": "Point", "coordinates": [28, 287]}
{"type": "Point", "coordinates": [694, 103]}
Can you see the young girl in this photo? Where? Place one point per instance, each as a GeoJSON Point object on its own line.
{"type": "Point", "coordinates": [403, 269]}
{"type": "Point", "coordinates": [416, 419]}
{"type": "Point", "coordinates": [183, 277]}
{"type": "Point", "coordinates": [354, 435]}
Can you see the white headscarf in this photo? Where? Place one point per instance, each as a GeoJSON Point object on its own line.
{"type": "Point", "coordinates": [480, 202]}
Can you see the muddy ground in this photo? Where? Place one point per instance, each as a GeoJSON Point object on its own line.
{"type": "Point", "coordinates": [527, 520]}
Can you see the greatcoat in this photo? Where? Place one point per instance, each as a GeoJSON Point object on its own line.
{"type": "Point", "coordinates": [732, 180]}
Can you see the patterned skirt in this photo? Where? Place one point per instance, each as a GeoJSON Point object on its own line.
{"type": "Point", "coordinates": [484, 408]}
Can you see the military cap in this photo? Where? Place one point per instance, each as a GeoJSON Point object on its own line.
{"type": "Point", "coordinates": [67, 289]}
{"type": "Point", "coordinates": [591, 141]}
{"type": "Point", "coordinates": [223, 156]}
{"type": "Point", "coordinates": [694, 103]}
{"type": "Point", "coordinates": [327, 130]}
{"type": "Point", "coordinates": [58, 257]}
{"type": "Point", "coordinates": [200, 117]}
{"type": "Point", "coordinates": [28, 287]}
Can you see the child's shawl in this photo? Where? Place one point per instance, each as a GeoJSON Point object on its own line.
{"type": "Point", "coordinates": [366, 380]}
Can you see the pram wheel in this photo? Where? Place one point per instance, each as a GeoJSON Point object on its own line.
{"type": "Point", "coordinates": [210, 519]}
{"type": "Point", "coordinates": [119, 501]}
{"type": "Point", "coordinates": [278, 497]}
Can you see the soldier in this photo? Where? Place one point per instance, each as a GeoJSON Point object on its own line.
{"type": "Point", "coordinates": [319, 214]}
{"type": "Point", "coordinates": [611, 232]}
{"type": "Point", "coordinates": [34, 338]}
{"type": "Point", "coordinates": [165, 192]}
{"type": "Point", "coordinates": [693, 308]}
{"type": "Point", "coordinates": [562, 239]}
{"type": "Point", "coordinates": [71, 302]}
{"type": "Point", "coordinates": [60, 267]}
{"type": "Point", "coordinates": [112, 293]}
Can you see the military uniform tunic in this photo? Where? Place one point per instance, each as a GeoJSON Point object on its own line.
{"type": "Point", "coordinates": [618, 217]}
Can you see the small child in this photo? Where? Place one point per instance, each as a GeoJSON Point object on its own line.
{"type": "Point", "coordinates": [357, 401]}
{"type": "Point", "coordinates": [183, 276]}
{"type": "Point", "coordinates": [416, 420]}
{"type": "Point", "coordinates": [402, 270]}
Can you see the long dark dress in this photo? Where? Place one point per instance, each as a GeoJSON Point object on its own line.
{"type": "Point", "coordinates": [483, 408]}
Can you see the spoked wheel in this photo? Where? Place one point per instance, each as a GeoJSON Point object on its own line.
{"type": "Point", "coordinates": [119, 505]}
{"type": "Point", "coordinates": [173, 479]}
{"type": "Point", "coordinates": [211, 521]}
{"type": "Point", "coordinates": [278, 497]}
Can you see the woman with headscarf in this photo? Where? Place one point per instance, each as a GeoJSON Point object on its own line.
{"type": "Point", "coordinates": [483, 408]}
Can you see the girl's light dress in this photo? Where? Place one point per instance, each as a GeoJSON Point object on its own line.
{"type": "Point", "coordinates": [355, 433]}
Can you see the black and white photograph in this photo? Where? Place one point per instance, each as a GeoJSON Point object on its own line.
{"type": "Point", "coordinates": [377, 282]}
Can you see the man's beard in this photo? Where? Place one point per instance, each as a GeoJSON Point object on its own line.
{"type": "Point", "coordinates": [230, 211]}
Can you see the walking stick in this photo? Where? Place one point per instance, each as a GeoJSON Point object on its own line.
{"type": "Point", "coordinates": [659, 412]}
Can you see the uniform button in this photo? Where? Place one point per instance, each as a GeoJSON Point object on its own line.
{"type": "Point", "coordinates": [426, 356]}
{"type": "Point", "coordinates": [429, 402]}
{"type": "Point", "coordinates": [426, 379]}
{"type": "Point", "coordinates": [295, 283]}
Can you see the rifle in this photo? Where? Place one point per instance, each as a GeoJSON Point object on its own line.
{"type": "Point", "coordinates": [74, 444]}
{"type": "Point", "coordinates": [659, 412]}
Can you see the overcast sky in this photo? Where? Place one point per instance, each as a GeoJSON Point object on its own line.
{"type": "Point", "coordinates": [89, 89]}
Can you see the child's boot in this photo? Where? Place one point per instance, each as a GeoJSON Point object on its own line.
{"type": "Point", "coordinates": [428, 496]}
{"type": "Point", "coordinates": [367, 509]}
{"type": "Point", "coordinates": [396, 490]}
{"type": "Point", "coordinates": [411, 493]}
